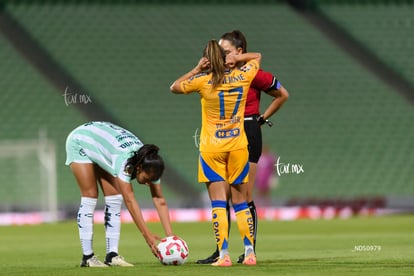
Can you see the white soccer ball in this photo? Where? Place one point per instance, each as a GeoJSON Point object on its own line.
{"type": "Point", "coordinates": [172, 251]}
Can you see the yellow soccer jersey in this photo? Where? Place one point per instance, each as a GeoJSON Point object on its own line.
{"type": "Point", "coordinates": [223, 108]}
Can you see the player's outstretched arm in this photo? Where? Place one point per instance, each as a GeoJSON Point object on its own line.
{"type": "Point", "coordinates": [133, 207]}
{"type": "Point", "coordinates": [162, 208]}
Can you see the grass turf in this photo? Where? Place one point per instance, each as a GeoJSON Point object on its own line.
{"type": "Point", "coordinates": [357, 246]}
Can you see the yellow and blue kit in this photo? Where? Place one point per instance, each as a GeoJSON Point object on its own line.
{"type": "Point", "coordinates": [222, 136]}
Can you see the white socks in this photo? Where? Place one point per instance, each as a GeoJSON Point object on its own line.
{"type": "Point", "coordinates": [113, 206]}
{"type": "Point", "coordinates": [248, 249]}
{"type": "Point", "coordinates": [85, 223]}
{"type": "Point", "coordinates": [87, 206]}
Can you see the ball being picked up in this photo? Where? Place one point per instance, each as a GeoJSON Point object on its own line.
{"type": "Point", "coordinates": [172, 251]}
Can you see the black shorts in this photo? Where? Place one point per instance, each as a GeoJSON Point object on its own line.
{"type": "Point", "coordinates": [254, 138]}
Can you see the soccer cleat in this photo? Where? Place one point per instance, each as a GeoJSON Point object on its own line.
{"type": "Point", "coordinates": [209, 260]}
{"type": "Point", "coordinates": [250, 259]}
{"type": "Point", "coordinates": [226, 261]}
{"type": "Point", "coordinates": [240, 259]}
{"type": "Point", "coordinates": [118, 261]}
{"type": "Point", "coordinates": [92, 262]}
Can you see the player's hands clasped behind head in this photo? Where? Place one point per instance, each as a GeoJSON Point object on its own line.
{"type": "Point", "coordinates": [203, 64]}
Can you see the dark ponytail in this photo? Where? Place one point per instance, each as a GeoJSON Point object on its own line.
{"type": "Point", "coordinates": [148, 159]}
{"type": "Point", "coordinates": [237, 39]}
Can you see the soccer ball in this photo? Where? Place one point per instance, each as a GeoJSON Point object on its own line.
{"type": "Point", "coordinates": [172, 251]}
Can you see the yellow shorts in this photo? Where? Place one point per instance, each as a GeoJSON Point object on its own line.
{"type": "Point", "coordinates": [232, 167]}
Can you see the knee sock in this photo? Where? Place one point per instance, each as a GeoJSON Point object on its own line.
{"type": "Point", "coordinates": [245, 224]}
{"type": "Point", "coordinates": [220, 225]}
{"type": "Point", "coordinates": [228, 217]}
{"type": "Point", "coordinates": [252, 209]}
{"type": "Point", "coordinates": [85, 224]}
{"type": "Point", "coordinates": [228, 223]}
{"type": "Point", "coordinates": [112, 222]}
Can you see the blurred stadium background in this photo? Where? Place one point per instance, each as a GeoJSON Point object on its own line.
{"type": "Point", "coordinates": [348, 66]}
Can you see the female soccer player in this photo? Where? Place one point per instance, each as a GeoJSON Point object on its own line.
{"type": "Point", "coordinates": [235, 43]}
{"type": "Point", "coordinates": [104, 153]}
{"type": "Point", "coordinates": [223, 160]}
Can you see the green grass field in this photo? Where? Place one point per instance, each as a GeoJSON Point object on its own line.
{"type": "Point", "coordinates": [357, 246]}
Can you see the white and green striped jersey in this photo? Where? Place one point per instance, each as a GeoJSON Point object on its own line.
{"type": "Point", "coordinates": [105, 144]}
